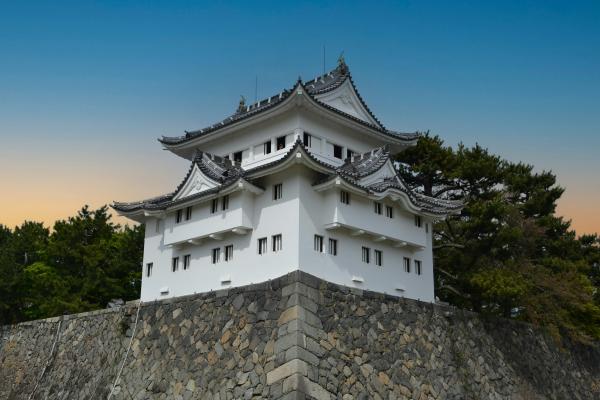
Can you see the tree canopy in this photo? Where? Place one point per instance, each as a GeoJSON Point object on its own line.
{"type": "Point", "coordinates": [81, 265]}
{"type": "Point", "coordinates": [507, 253]}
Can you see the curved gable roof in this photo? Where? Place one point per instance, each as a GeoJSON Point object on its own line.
{"type": "Point", "coordinates": [318, 86]}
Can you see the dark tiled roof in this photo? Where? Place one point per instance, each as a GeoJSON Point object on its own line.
{"type": "Point", "coordinates": [322, 84]}
{"type": "Point", "coordinates": [216, 168]}
{"type": "Point", "coordinates": [226, 173]}
{"type": "Point", "coordinates": [361, 165]}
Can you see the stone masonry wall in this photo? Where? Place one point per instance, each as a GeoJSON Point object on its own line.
{"type": "Point", "coordinates": [296, 337]}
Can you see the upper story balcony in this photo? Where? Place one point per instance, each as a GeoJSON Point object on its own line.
{"type": "Point", "coordinates": [360, 217]}
{"type": "Point", "coordinates": [233, 213]}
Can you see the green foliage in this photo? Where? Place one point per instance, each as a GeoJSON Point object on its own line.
{"type": "Point", "coordinates": [81, 265]}
{"type": "Point", "coordinates": [507, 253]}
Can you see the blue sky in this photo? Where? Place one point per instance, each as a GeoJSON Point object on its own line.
{"type": "Point", "coordinates": [87, 87]}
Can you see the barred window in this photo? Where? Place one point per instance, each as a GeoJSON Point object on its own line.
{"type": "Point", "coordinates": [307, 140]}
{"type": "Point", "coordinates": [175, 264]}
{"type": "Point", "coordinates": [389, 212]}
{"type": "Point", "coordinates": [178, 216]}
{"type": "Point", "coordinates": [262, 245]}
{"type": "Point", "coordinates": [318, 243]}
{"type": "Point", "coordinates": [418, 267]}
{"type": "Point", "coordinates": [406, 264]}
{"type": "Point", "coordinates": [277, 191]}
{"type": "Point", "coordinates": [188, 213]}
{"type": "Point", "coordinates": [237, 157]}
{"type": "Point", "coordinates": [229, 252]}
{"type": "Point", "coordinates": [418, 221]}
{"type": "Point", "coordinates": [276, 243]}
{"type": "Point", "coordinates": [377, 207]}
{"type": "Point", "coordinates": [345, 197]}
{"type": "Point", "coordinates": [149, 267]}
{"type": "Point", "coordinates": [186, 261]}
{"type": "Point", "coordinates": [366, 254]}
{"type": "Point", "coordinates": [214, 206]}
{"type": "Point", "coordinates": [333, 247]}
{"type": "Point", "coordinates": [225, 202]}
{"type": "Point", "coordinates": [378, 258]}
{"type": "Point", "coordinates": [216, 255]}
{"type": "Point", "coordinates": [267, 147]}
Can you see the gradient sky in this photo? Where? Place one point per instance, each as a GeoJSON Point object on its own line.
{"type": "Point", "coordinates": [87, 87]}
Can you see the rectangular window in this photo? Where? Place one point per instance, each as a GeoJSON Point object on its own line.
{"type": "Point", "coordinates": [149, 269]}
{"type": "Point", "coordinates": [389, 212]}
{"type": "Point", "coordinates": [188, 213]}
{"type": "Point", "coordinates": [225, 202]}
{"type": "Point", "coordinates": [267, 147]}
{"type": "Point", "coordinates": [349, 153]}
{"type": "Point", "coordinates": [157, 226]}
{"type": "Point", "coordinates": [214, 207]}
{"type": "Point", "coordinates": [333, 247]}
{"type": "Point", "coordinates": [277, 243]}
{"type": "Point", "coordinates": [216, 255]}
{"type": "Point", "coordinates": [277, 191]}
{"type": "Point", "coordinates": [345, 197]}
{"type": "Point", "coordinates": [418, 267]}
{"type": "Point", "coordinates": [406, 264]}
{"type": "Point", "coordinates": [418, 221]}
{"type": "Point", "coordinates": [378, 258]}
{"type": "Point", "coordinates": [186, 261]}
{"type": "Point", "coordinates": [377, 207]}
{"type": "Point", "coordinates": [366, 254]}
{"type": "Point", "coordinates": [426, 228]}
{"type": "Point", "coordinates": [237, 157]}
{"type": "Point", "coordinates": [229, 252]}
{"type": "Point", "coordinates": [281, 142]}
{"type": "Point", "coordinates": [318, 243]}
{"type": "Point", "coordinates": [307, 140]}
{"type": "Point", "coordinates": [178, 216]}
{"type": "Point", "coordinates": [175, 264]}
{"type": "Point", "coordinates": [337, 151]}
{"type": "Point", "coordinates": [262, 246]}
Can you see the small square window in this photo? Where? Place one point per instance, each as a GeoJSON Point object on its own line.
{"type": "Point", "coordinates": [406, 264]}
{"type": "Point", "coordinates": [307, 140]}
{"type": "Point", "coordinates": [178, 216]}
{"type": "Point", "coordinates": [237, 157]}
{"type": "Point", "coordinates": [378, 258]}
{"type": "Point", "coordinates": [262, 246]}
{"type": "Point", "coordinates": [318, 243]}
{"type": "Point", "coordinates": [225, 202]}
{"type": "Point", "coordinates": [229, 252]}
{"type": "Point", "coordinates": [276, 242]}
{"type": "Point", "coordinates": [377, 207]}
{"type": "Point", "coordinates": [345, 197]}
{"type": "Point", "coordinates": [175, 264]}
{"type": "Point", "coordinates": [149, 267]}
{"type": "Point", "coordinates": [366, 254]}
{"type": "Point", "coordinates": [216, 255]}
{"type": "Point", "coordinates": [418, 267]}
{"type": "Point", "coordinates": [267, 147]}
{"type": "Point", "coordinates": [281, 142]}
{"type": "Point", "coordinates": [188, 213]}
{"type": "Point", "coordinates": [389, 212]}
{"type": "Point", "coordinates": [214, 207]}
{"type": "Point", "coordinates": [186, 261]}
{"type": "Point", "coordinates": [418, 221]}
{"type": "Point", "coordinates": [337, 151]}
{"type": "Point", "coordinates": [333, 247]}
{"type": "Point", "coordinates": [277, 191]}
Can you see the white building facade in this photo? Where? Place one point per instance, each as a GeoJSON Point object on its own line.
{"type": "Point", "coordinates": [302, 180]}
